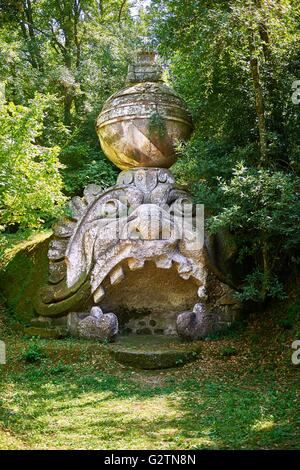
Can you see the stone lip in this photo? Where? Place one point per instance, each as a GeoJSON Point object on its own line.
{"type": "Point", "coordinates": [153, 352]}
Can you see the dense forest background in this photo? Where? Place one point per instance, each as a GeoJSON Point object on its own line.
{"type": "Point", "coordinates": [236, 64]}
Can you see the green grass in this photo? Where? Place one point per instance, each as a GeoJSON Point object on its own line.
{"type": "Point", "coordinates": [76, 397]}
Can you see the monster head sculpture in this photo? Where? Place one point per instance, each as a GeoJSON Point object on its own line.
{"type": "Point", "coordinates": [141, 225]}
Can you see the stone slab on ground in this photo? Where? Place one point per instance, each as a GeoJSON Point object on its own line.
{"type": "Point", "coordinates": [46, 332]}
{"type": "Point", "coordinates": [153, 352]}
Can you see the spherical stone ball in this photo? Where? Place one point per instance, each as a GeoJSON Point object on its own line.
{"type": "Point", "coordinates": [140, 125]}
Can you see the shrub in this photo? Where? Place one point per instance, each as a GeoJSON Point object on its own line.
{"type": "Point", "coordinates": [33, 353]}
{"type": "Point", "coordinates": [30, 182]}
{"type": "Point", "coordinates": [85, 165]}
{"type": "Point", "coordinates": [262, 209]}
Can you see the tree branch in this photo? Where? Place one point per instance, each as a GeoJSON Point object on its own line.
{"type": "Point", "coordinates": [121, 10]}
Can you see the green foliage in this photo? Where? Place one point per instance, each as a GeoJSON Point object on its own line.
{"type": "Point", "coordinates": [30, 188]}
{"type": "Point", "coordinates": [157, 125]}
{"type": "Point", "coordinates": [258, 285]}
{"type": "Point", "coordinates": [234, 63]}
{"type": "Point", "coordinates": [33, 353]}
{"type": "Point", "coordinates": [262, 208]}
{"type": "Point", "coordinates": [85, 165]}
{"type": "Point", "coordinates": [78, 53]}
{"type": "Point", "coordinates": [228, 351]}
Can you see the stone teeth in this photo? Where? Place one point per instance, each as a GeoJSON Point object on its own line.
{"type": "Point", "coordinates": [99, 294]}
{"type": "Point", "coordinates": [57, 249]}
{"type": "Point", "coordinates": [117, 275]}
{"type": "Point", "coordinates": [202, 293]}
{"type": "Point", "coordinates": [134, 263]}
{"type": "Point", "coordinates": [163, 263]}
{"type": "Point", "coordinates": [64, 228]}
{"type": "Point", "coordinates": [185, 275]}
{"type": "Point", "coordinates": [183, 268]}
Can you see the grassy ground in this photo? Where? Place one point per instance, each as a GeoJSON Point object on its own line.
{"type": "Point", "coordinates": [243, 393]}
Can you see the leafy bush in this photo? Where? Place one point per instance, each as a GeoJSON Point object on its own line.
{"type": "Point", "coordinates": [30, 182]}
{"type": "Point", "coordinates": [292, 316]}
{"type": "Point", "coordinates": [33, 353]}
{"type": "Point", "coordinates": [84, 165]}
{"type": "Point", "coordinates": [262, 208]}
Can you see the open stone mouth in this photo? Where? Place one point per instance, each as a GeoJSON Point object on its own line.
{"type": "Point", "coordinates": [93, 251]}
{"type": "Point", "coordinates": [85, 251]}
{"type": "Point", "coordinates": [117, 274]}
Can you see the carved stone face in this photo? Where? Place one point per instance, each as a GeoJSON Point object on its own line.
{"type": "Point", "coordinates": [138, 222]}
{"type": "Point", "coordinates": [135, 222]}
{"type": "Point", "coordinates": [134, 233]}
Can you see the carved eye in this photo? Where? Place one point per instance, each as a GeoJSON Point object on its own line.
{"type": "Point", "coordinates": [128, 178]}
{"type": "Point", "coordinates": [110, 208]}
{"type": "Point", "coordinates": [162, 177]}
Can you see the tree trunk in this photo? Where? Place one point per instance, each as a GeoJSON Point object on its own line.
{"type": "Point", "coordinates": [259, 103]}
{"type": "Point", "coordinates": [273, 87]}
{"type": "Point", "coordinates": [68, 100]}
{"type": "Point", "coordinates": [266, 270]}
{"type": "Point", "coordinates": [34, 52]}
{"type": "Point", "coordinates": [68, 33]}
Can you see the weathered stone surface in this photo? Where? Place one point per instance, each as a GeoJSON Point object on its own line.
{"type": "Point", "coordinates": [133, 232]}
{"type": "Point", "coordinates": [107, 248]}
{"type": "Point", "coordinates": [57, 249]}
{"type": "Point", "coordinates": [64, 228]}
{"type": "Point", "coordinates": [98, 325]}
{"type": "Point", "coordinates": [222, 251]}
{"type": "Point", "coordinates": [150, 294]}
{"type": "Point", "coordinates": [154, 359]}
{"type": "Point", "coordinates": [208, 318]}
{"type": "Point", "coordinates": [79, 299]}
{"type": "Point", "coordinates": [148, 352]}
{"type": "Point", "coordinates": [41, 322]}
{"type": "Point", "coordinates": [60, 291]}
{"type": "Point", "coordinates": [57, 272]}
{"type": "Point", "coordinates": [46, 332]}
{"type": "Point", "coordinates": [25, 272]}
{"type": "Point", "coordinates": [139, 126]}
{"type": "Point", "coordinates": [197, 324]}
{"type": "Point", "coordinates": [73, 320]}
{"type": "Point", "coordinates": [91, 191]}
{"type": "Point", "coordinates": [99, 245]}
{"type": "Point", "coordinates": [77, 207]}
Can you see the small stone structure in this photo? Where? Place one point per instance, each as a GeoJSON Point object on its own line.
{"type": "Point", "coordinates": [128, 249]}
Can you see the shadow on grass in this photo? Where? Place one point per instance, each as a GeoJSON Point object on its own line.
{"type": "Point", "coordinates": [73, 407]}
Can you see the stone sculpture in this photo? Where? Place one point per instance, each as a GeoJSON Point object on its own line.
{"type": "Point", "coordinates": [138, 221]}
{"type": "Point", "coordinates": [139, 125]}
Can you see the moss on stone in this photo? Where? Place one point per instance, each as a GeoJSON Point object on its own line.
{"type": "Point", "coordinates": [46, 333]}
{"type": "Point", "coordinates": [153, 352]}
{"type": "Point", "coordinates": [24, 269]}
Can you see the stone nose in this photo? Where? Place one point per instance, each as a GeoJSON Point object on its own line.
{"type": "Point", "coordinates": [147, 224]}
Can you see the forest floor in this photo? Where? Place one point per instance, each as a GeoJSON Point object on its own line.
{"type": "Point", "coordinates": [242, 393]}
